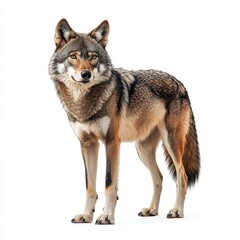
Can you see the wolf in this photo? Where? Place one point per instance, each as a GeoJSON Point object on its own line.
{"type": "Point", "coordinates": [113, 105]}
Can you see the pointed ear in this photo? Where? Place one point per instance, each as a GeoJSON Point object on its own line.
{"type": "Point", "coordinates": [63, 33]}
{"type": "Point", "coordinates": [100, 33]}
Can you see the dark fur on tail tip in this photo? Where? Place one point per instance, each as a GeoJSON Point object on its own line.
{"type": "Point", "coordinates": [191, 156]}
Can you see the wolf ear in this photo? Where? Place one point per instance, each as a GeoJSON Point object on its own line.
{"type": "Point", "coordinates": [63, 33]}
{"type": "Point", "coordinates": [100, 33]}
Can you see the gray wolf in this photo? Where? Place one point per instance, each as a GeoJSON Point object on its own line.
{"type": "Point", "coordinates": [114, 105]}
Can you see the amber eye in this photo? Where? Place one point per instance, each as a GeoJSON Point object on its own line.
{"type": "Point", "coordinates": [73, 56]}
{"type": "Point", "coordinates": [93, 57]}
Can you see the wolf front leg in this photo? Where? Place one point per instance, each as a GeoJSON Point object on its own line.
{"type": "Point", "coordinates": [89, 147]}
{"type": "Point", "coordinates": [112, 153]}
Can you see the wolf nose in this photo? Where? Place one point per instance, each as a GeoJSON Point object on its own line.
{"type": "Point", "coordinates": [86, 75]}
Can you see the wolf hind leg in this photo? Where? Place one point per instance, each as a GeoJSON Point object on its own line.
{"type": "Point", "coordinates": [173, 144]}
{"type": "Point", "coordinates": [147, 153]}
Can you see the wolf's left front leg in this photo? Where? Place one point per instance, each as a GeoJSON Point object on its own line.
{"type": "Point", "coordinates": [89, 147]}
{"type": "Point", "coordinates": [112, 153]}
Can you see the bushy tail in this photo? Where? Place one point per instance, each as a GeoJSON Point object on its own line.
{"type": "Point", "coordinates": [191, 156]}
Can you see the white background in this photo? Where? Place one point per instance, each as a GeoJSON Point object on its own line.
{"type": "Point", "coordinates": [41, 171]}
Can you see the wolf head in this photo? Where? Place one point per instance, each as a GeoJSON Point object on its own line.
{"type": "Point", "coordinates": [80, 58]}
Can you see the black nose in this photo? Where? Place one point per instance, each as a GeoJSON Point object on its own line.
{"type": "Point", "coordinates": [86, 75]}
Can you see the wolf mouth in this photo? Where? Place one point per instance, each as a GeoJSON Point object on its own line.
{"type": "Point", "coordinates": [81, 81]}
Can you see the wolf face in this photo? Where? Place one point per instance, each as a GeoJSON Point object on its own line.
{"type": "Point", "coordinates": [80, 58]}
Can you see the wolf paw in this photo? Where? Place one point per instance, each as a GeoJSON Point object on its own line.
{"type": "Point", "coordinates": [146, 212]}
{"type": "Point", "coordinates": [105, 219]}
{"type": "Point", "coordinates": [175, 213]}
{"type": "Point", "coordinates": [82, 218]}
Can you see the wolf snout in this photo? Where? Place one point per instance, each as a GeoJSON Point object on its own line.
{"type": "Point", "coordinates": [86, 75]}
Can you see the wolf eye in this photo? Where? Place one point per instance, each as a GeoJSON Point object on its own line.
{"type": "Point", "coordinates": [93, 57]}
{"type": "Point", "coordinates": [73, 56]}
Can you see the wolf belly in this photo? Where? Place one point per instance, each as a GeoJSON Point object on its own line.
{"type": "Point", "coordinates": [138, 127]}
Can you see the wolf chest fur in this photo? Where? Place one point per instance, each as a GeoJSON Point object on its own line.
{"type": "Point", "coordinates": [114, 105]}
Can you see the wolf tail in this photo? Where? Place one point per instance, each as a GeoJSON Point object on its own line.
{"type": "Point", "coordinates": [191, 155]}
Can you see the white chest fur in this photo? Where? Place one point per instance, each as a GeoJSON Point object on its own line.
{"type": "Point", "coordinates": [99, 127]}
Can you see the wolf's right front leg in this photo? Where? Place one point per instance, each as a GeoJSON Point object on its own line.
{"type": "Point", "coordinates": [89, 147]}
{"type": "Point", "coordinates": [112, 152]}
